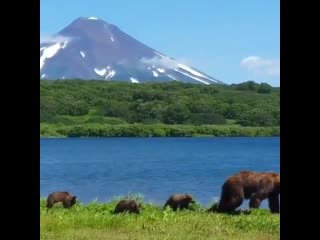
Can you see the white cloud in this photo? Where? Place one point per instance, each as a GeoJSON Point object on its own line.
{"type": "Point", "coordinates": [164, 62]}
{"type": "Point", "coordinates": [261, 66]}
{"type": "Point", "coordinates": [160, 62]}
{"type": "Point", "coordinates": [53, 39]}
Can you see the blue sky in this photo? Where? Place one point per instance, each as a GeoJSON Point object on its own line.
{"type": "Point", "coordinates": [233, 41]}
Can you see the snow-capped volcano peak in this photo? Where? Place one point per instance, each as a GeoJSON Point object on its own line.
{"type": "Point", "coordinates": [90, 48]}
{"type": "Point", "coordinates": [93, 18]}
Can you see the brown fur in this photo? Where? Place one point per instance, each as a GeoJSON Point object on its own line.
{"type": "Point", "coordinates": [65, 197]}
{"type": "Point", "coordinates": [250, 185]}
{"type": "Point", "coordinates": [130, 206]}
{"type": "Point", "coordinates": [180, 201]}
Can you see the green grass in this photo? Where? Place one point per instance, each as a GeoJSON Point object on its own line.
{"type": "Point", "coordinates": [96, 221]}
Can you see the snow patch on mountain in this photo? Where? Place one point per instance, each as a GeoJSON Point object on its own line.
{"type": "Point", "coordinates": [110, 74]}
{"type": "Point", "coordinates": [195, 78]}
{"type": "Point", "coordinates": [49, 52]}
{"type": "Point", "coordinates": [171, 77]}
{"type": "Point", "coordinates": [64, 44]}
{"type": "Point", "coordinates": [155, 73]}
{"type": "Point", "coordinates": [160, 70]}
{"type": "Point", "coordinates": [159, 54]}
{"type": "Point", "coordinates": [100, 72]}
{"type": "Point", "coordinates": [133, 80]}
{"type": "Point", "coordinates": [190, 70]}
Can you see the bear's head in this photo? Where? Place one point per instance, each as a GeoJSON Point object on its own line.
{"type": "Point", "coordinates": [189, 198]}
{"type": "Point", "coordinates": [73, 200]}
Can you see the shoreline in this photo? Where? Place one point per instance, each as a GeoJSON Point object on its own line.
{"type": "Point", "coordinates": [154, 130]}
{"type": "Point", "coordinates": [86, 137]}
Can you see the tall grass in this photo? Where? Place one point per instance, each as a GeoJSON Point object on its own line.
{"type": "Point", "coordinates": [97, 221]}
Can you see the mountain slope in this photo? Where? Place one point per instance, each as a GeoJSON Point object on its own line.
{"type": "Point", "coordinates": [90, 48]}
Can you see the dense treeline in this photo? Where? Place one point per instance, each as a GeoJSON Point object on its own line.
{"type": "Point", "coordinates": [74, 102]}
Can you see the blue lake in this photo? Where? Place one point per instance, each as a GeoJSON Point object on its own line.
{"type": "Point", "coordinates": [103, 168]}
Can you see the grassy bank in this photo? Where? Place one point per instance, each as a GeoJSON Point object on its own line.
{"type": "Point", "coordinates": [95, 221]}
{"type": "Point", "coordinates": [154, 130]}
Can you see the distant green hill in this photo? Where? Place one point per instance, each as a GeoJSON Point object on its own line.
{"type": "Point", "coordinates": [68, 103]}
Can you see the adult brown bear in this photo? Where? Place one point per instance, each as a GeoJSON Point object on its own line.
{"type": "Point", "coordinates": [65, 197]}
{"type": "Point", "coordinates": [129, 206]}
{"type": "Point", "coordinates": [256, 186]}
{"type": "Point", "coordinates": [180, 201]}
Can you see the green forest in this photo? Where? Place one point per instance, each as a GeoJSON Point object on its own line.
{"type": "Point", "coordinates": [101, 108]}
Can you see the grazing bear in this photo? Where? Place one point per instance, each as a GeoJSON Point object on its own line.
{"type": "Point", "coordinates": [250, 185]}
{"type": "Point", "coordinates": [180, 201]}
{"type": "Point", "coordinates": [65, 197]}
{"type": "Point", "coordinates": [130, 206]}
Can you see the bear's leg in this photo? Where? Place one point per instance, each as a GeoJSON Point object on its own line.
{"type": "Point", "coordinates": [236, 202]}
{"type": "Point", "coordinates": [274, 204]}
{"type": "Point", "coordinates": [174, 208]}
{"type": "Point", "coordinates": [66, 204]}
{"type": "Point", "coordinates": [183, 206]}
{"type": "Point", "coordinates": [257, 198]}
{"type": "Point", "coordinates": [230, 204]}
{"type": "Point", "coordinates": [49, 205]}
{"type": "Point", "coordinates": [137, 211]}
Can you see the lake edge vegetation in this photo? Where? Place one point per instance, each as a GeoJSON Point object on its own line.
{"type": "Point", "coordinates": [90, 108]}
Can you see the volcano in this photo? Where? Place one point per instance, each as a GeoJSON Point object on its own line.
{"type": "Point", "coordinates": [92, 49]}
